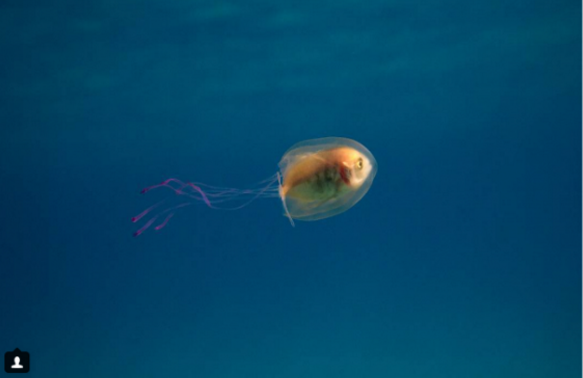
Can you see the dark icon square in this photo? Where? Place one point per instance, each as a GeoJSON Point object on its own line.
{"type": "Point", "coordinates": [16, 361]}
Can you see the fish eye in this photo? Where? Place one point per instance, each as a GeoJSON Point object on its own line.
{"type": "Point", "coordinates": [359, 164]}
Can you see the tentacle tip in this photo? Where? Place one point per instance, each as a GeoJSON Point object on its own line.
{"type": "Point", "coordinates": [134, 219]}
{"type": "Point", "coordinates": [137, 233]}
{"type": "Point", "coordinates": [143, 191]}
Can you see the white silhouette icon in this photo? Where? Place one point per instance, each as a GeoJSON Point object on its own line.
{"type": "Point", "coordinates": [17, 364]}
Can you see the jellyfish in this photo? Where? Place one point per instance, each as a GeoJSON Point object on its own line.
{"type": "Point", "coordinates": [317, 179]}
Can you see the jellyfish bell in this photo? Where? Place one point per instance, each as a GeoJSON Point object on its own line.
{"type": "Point", "coordinates": [324, 177]}
{"type": "Point", "coordinates": [318, 178]}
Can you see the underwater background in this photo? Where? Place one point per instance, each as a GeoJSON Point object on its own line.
{"type": "Point", "coordinates": [463, 259]}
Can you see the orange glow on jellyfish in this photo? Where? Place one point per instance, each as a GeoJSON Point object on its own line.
{"type": "Point", "coordinates": [317, 179]}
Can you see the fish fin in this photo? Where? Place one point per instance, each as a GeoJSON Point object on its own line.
{"type": "Point", "coordinates": [282, 196]}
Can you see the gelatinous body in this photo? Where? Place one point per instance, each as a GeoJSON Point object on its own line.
{"type": "Point", "coordinates": [318, 178]}
{"type": "Point", "coordinates": [324, 177]}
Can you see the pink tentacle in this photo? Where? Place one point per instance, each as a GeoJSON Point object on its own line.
{"type": "Point", "coordinates": [172, 209]}
{"type": "Point", "coordinates": [143, 213]}
{"type": "Point", "coordinates": [195, 192]}
{"type": "Point", "coordinates": [204, 197]}
{"type": "Point", "coordinates": [167, 182]}
{"type": "Point", "coordinates": [163, 183]}
{"type": "Point", "coordinates": [145, 227]}
{"type": "Point", "coordinates": [160, 226]}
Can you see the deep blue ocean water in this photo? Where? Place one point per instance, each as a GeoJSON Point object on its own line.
{"type": "Point", "coordinates": [463, 260]}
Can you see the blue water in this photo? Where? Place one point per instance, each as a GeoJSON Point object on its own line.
{"type": "Point", "coordinates": [463, 260]}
